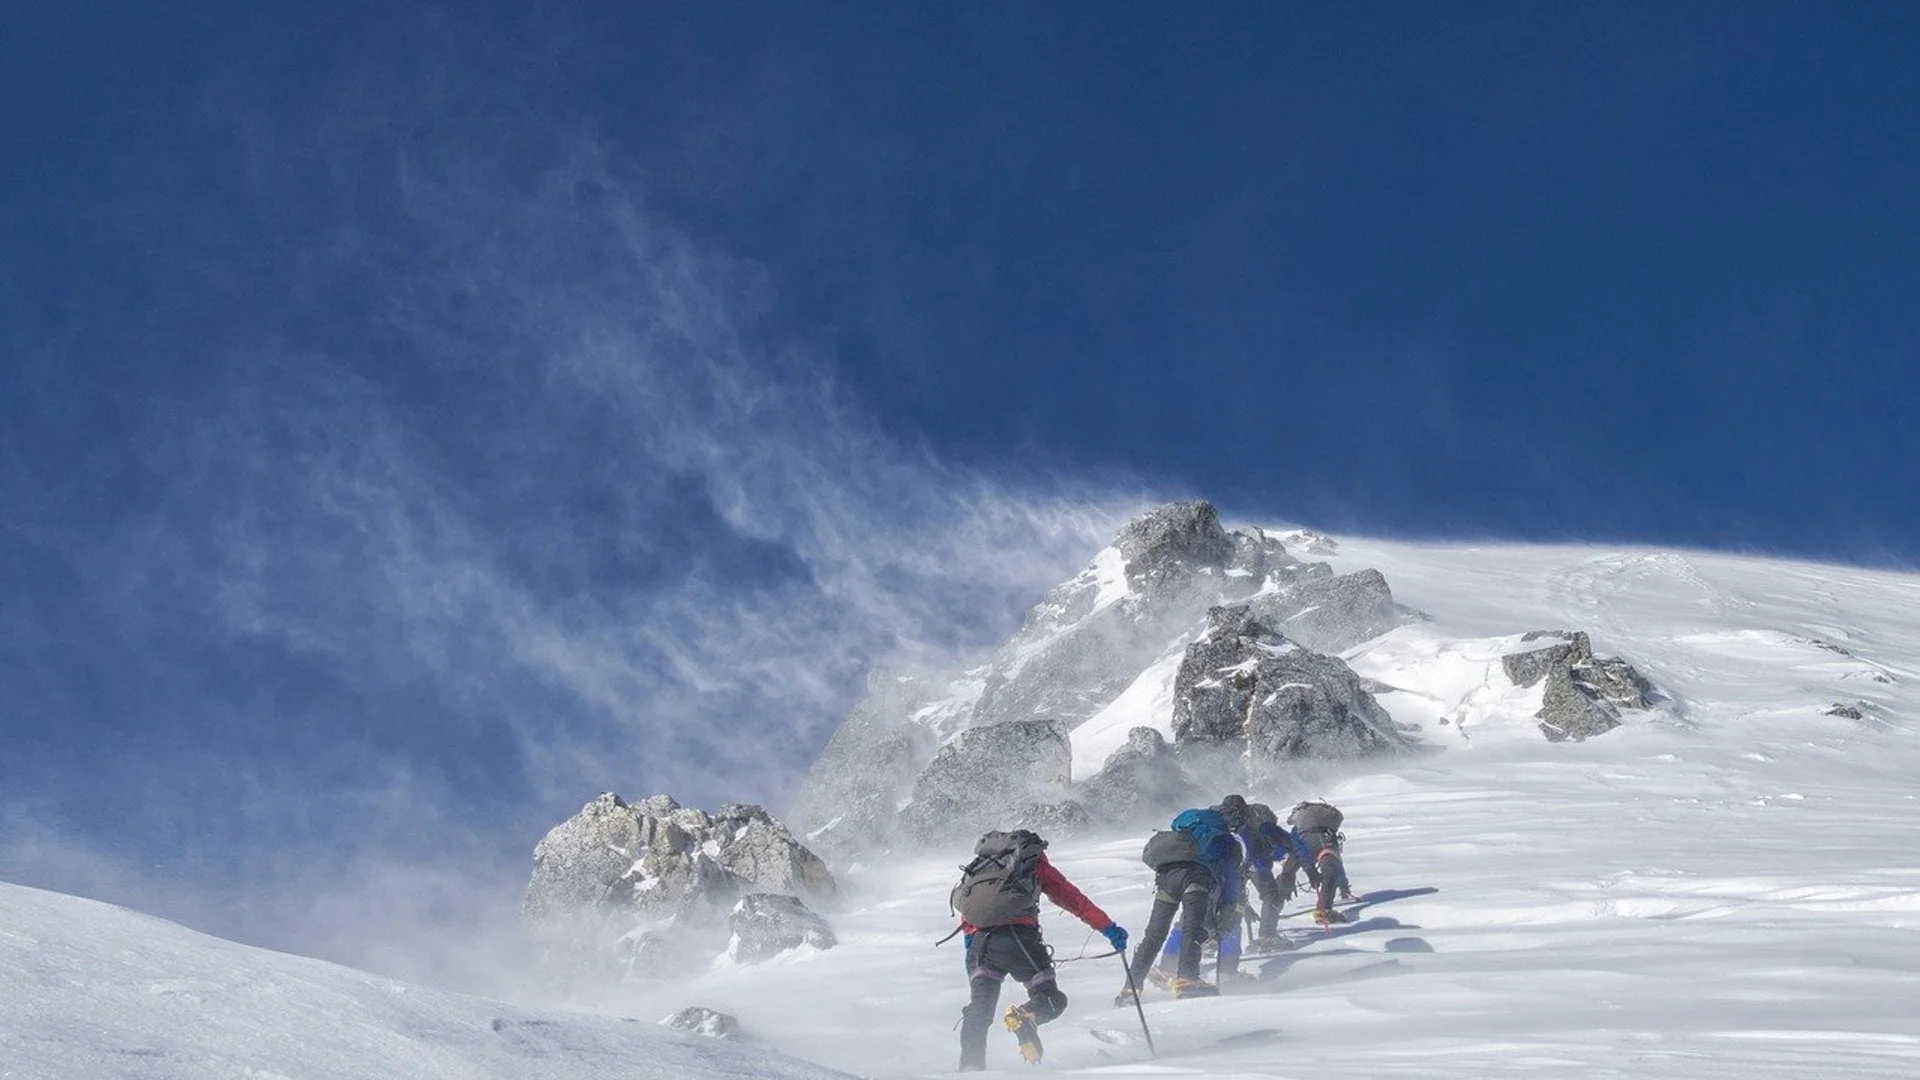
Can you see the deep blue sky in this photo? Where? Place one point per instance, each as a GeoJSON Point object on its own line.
{"type": "Point", "coordinates": [371, 372]}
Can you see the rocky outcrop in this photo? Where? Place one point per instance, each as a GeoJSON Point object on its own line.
{"type": "Point", "coordinates": [1138, 784]}
{"type": "Point", "coordinates": [697, 1020]}
{"type": "Point", "coordinates": [1330, 614]}
{"type": "Point", "coordinates": [988, 778]}
{"type": "Point", "coordinates": [1242, 684]}
{"type": "Point", "coordinates": [1165, 548]}
{"type": "Point", "coordinates": [764, 925]}
{"type": "Point", "coordinates": [640, 889]}
{"type": "Point", "coordinates": [907, 759]}
{"type": "Point", "coordinates": [1584, 694]}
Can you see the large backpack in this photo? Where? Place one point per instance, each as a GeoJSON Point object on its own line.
{"type": "Point", "coordinates": [1000, 886]}
{"type": "Point", "coordinates": [1315, 815]}
{"type": "Point", "coordinates": [1197, 836]}
{"type": "Point", "coordinates": [1259, 814]}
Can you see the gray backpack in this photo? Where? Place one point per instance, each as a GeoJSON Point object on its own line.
{"type": "Point", "coordinates": [1000, 886]}
{"type": "Point", "coordinates": [1315, 815]}
{"type": "Point", "coordinates": [1169, 846]}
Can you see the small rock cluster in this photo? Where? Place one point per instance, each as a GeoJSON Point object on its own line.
{"type": "Point", "coordinates": [1584, 693]}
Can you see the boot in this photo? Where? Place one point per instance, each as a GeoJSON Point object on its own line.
{"type": "Point", "coordinates": [1026, 1032]}
{"type": "Point", "coordinates": [1192, 988]}
{"type": "Point", "coordinates": [1127, 996]}
{"type": "Point", "coordinates": [1328, 916]}
{"type": "Point", "coordinates": [1160, 975]}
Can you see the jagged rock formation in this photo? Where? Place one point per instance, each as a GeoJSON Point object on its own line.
{"type": "Point", "coordinates": [1084, 644]}
{"type": "Point", "coordinates": [639, 889]}
{"type": "Point", "coordinates": [764, 925]}
{"type": "Point", "coordinates": [1137, 783]}
{"type": "Point", "coordinates": [1584, 693]}
{"type": "Point", "coordinates": [703, 1021]}
{"type": "Point", "coordinates": [1091, 636]}
{"type": "Point", "coordinates": [988, 778]}
{"type": "Point", "coordinates": [1243, 684]}
{"type": "Point", "coordinates": [1328, 613]}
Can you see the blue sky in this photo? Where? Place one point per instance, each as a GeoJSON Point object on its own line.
{"type": "Point", "coordinates": [415, 420]}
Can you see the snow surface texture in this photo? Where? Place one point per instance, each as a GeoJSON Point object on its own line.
{"type": "Point", "coordinates": [94, 992]}
{"type": "Point", "coordinates": [1726, 887]}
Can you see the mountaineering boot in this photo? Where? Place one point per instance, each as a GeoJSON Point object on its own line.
{"type": "Point", "coordinates": [1193, 988]}
{"type": "Point", "coordinates": [1020, 1022]}
{"type": "Point", "coordinates": [1328, 916]}
{"type": "Point", "coordinates": [1127, 996]}
{"type": "Point", "coordinates": [1160, 975]}
{"type": "Point", "coordinates": [1270, 944]}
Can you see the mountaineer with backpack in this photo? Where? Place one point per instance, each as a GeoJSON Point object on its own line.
{"type": "Point", "coordinates": [998, 901]}
{"type": "Point", "coordinates": [1196, 868]}
{"type": "Point", "coordinates": [1265, 841]}
{"type": "Point", "coordinates": [1317, 839]}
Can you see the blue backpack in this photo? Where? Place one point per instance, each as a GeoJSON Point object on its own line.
{"type": "Point", "coordinates": [1209, 831]}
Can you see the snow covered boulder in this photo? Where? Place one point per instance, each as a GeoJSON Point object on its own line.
{"type": "Point", "coordinates": [697, 1020]}
{"type": "Point", "coordinates": [1584, 693]}
{"type": "Point", "coordinates": [1244, 685]}
{"type": "Point", "coordinates": [986, 778]}
{"type": "Point", "coordinates": [764, 925]}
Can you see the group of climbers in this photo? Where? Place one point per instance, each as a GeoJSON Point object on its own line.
{"type": "Point", "coordinates": [1201, 863]}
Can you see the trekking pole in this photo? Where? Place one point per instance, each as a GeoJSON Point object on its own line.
{"type": "Point", "coordinates": [1137, 1007]}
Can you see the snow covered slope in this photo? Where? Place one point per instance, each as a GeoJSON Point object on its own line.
{"type": "Point", "coordinates": [93, 992]}
{"type": "Point", "coordinates": [1725, 888]}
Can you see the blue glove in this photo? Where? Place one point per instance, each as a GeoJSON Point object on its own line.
{"type": "Point", "coordinates": [1117, 937]}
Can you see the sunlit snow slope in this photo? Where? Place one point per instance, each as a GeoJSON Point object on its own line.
{"type": "Point", "coordinates": [1726, 887]}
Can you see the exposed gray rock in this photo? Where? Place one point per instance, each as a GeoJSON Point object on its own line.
{"type": "Point", "coordinates": [987, 777]}
{"type": "Point", "coordinates": [1090, 637]}
{"type": "Point", "coordinates": [1165, 547]}
{"type": "Point", "coordinates": [703, 1021]}
{"type": "Point", "coordinates": [1569, 711]}
{"type": "Point", "coordinates": [627, 889]}
{"type": "Point", "coordinates": [1243, 684]}
{"type": "Point", "coordinates": [1138, 783]}
{"type": "Point", "coordinates": [765, 925]}
{"type": "Point", "coordinates": [1584, 693]}
{"type": "Point", "coordinates": [1330, 614]}
{"type": "Point", "coordinates": [895, 764]}
{"type": "Point", "coordinates": [1840, 709]}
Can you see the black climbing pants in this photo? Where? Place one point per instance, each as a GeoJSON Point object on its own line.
{"type": "Point", "coordinates": [1187, 888]}
{"type": "Point", "coordinates": [993, 954]}
{"type": "Point", "coordinates": [1328, 872]}
{"type": "Point", "coordinates": [1270, 901]}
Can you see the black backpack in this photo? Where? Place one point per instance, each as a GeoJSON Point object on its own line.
{"type": "Point", "coordinates": [999, 886]}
